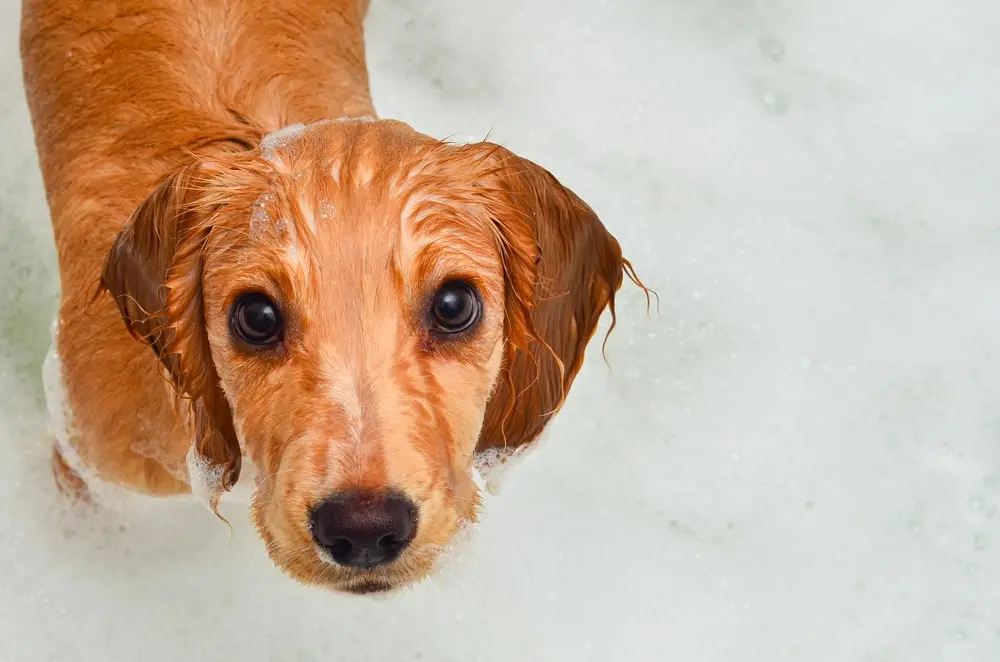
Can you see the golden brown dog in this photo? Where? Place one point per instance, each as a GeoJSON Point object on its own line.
{"type": "Point", "coordinates": [347, 306]}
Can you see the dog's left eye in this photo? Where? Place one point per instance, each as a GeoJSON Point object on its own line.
{"type": "Point", "coordinates": [256, 320]}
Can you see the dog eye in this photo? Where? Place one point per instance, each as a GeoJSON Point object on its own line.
{"type": "Point", "coordinates": [255, 320]}
{"type": "Point", "coordinates": [455, 307]}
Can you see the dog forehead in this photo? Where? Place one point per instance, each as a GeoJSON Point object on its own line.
{"type": "Point", "coordinates": [356, 175]}
{"type": "Point", "coordinates": [349, 141]}
{"type": "Point", "coordinates": [320, 178]}
{"type": "Point", "coordinates": [350, 202]}
{"type": "Point", "coordinates": [360, 165]}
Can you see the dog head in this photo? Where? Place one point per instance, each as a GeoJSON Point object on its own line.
{"type": "Point", "coordinates": [357, 309]}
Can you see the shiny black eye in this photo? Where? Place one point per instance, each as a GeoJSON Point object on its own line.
{"type": "Point", "coordinates": [455, 307]}
{"type": "Point", "coordinates": [255, 320]}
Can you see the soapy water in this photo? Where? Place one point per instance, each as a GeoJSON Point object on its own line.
{"type": "Point", "coordinates": [800, 465]}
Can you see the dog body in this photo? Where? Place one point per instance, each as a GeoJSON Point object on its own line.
{"type": "Point", "coordinates": [119, 92]}
{"type": "Point", "coordinates": [299, 270]}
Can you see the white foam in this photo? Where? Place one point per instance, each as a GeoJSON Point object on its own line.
{"type": "Point", "coordinates": [281, 138]}
{"type": "Point", "coordinates": [493, 463]}
{"type": "Point", "coordinates": [490, 465]}
{"type": "Point", "coordinates": [260, 218]}
{"type": "Point", "coordinates": [59, 422]}
{"type": "Point", "coordinates": [206, 481]}
{"type": "Point", "coordinates": [286, 136]}
{"type": "Point", "coordinates": [58, 413]}
{"type": "Point", "coordinates": [327, 210]}
{"type": "Point", "coordinates": [205, 478]}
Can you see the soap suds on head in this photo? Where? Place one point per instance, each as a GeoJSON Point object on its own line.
{"type": "Point", "coordinates": [280, 139]}
{"type": "Point", "coordinates": [327, 210]}
{"type": "Point", "coordinates": [260, 218]}
{"type": "Point", "coordinates": [278, 148]}
{"type": "Point", "coordinates": [286, 136]}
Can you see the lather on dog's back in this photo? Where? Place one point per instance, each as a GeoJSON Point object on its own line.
{"type": "Point", "coordinates": [282, 282]}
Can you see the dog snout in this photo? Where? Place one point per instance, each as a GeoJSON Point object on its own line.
{"type": "Point", "coordinates": [364, 530]}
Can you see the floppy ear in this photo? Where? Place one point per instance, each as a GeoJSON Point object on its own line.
{"type": "Point", "coordinates": [154, 273]}
{"type": "Point", "coordinates": [562, 268]}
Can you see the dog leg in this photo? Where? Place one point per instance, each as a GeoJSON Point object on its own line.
{"type": "Point", "coordinates": [68, 481]}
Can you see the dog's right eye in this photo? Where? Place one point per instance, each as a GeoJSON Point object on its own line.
{"type": "Point", "coordinates": [256, 320]}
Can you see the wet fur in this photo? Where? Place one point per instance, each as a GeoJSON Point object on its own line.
{"type": "Point", "coordinates": [149, 118]}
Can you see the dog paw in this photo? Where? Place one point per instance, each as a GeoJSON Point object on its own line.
{"type": "Point", "coordinates": [70, 484]}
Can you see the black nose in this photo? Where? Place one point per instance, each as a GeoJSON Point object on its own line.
{"type": "Point", "coordinates": [364, 530]}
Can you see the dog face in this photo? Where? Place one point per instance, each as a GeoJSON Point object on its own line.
{"type": "Point", "coordinates": [357, 308]}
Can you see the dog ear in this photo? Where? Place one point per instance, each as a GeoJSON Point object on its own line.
{"type": "Point", "coordinates": [154, 272]}
{"type": "Point", "coordinates": [562, 268]}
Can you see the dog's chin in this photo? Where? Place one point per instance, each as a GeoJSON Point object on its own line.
{"type": "Point", "coordinates": [373, 588]}
{"type": "Point", "coordinates": [377, 584]}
